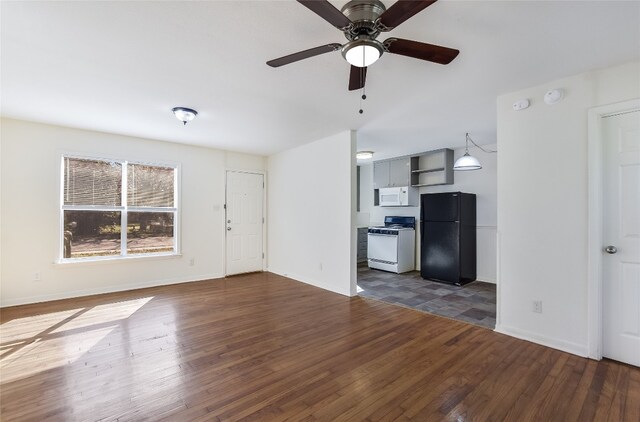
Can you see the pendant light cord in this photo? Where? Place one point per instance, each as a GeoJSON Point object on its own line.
{"type": "Point", "coordinates": [488, 151]}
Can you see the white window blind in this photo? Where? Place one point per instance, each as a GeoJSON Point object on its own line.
{"type": "Point", "coordinates": [92, 182]}
{"type": "Point", "coordinates": [150, 186]}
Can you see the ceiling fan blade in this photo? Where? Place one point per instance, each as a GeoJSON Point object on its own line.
{"type": "Point", "coordinates": [300, 55]}
{"type": "Point", "coordinates": [420, 50]}
{"type": "Point", "coordinates": [402, 10]}
{"type": "Point", "coordinates": [357, 78]}
{"type": "Point", "coordinates": [328, 12]}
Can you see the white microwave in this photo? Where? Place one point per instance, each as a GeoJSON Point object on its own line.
{"type": "Point", "coordinates": [395, 197]}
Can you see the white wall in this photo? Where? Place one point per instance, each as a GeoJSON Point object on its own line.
{"type": "Point", "coordinates": [542, 206]}
{"type": "Point", "coordinates": [363, 217]}
{"type": "Point", "coordinates": [482, 183]}
{"type": "Point", "coordinates": [30, 154]}
{"type": "Point", "coordinates": [311, 207]}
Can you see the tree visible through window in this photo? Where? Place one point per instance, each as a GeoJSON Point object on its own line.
{"type": "Point", "coordinates": [101, 197]}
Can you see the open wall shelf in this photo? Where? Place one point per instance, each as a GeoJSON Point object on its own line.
{"type": "Point", "coordinates": [432, 168]}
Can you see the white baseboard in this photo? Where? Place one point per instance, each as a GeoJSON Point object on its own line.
{"type": "Point", "coordinates": [101, 290]}
{"type": "Point", "coordinates": [563, 345]}
{"type": "Point", "coordinates": [306, 280]}
{"type": "Point", "coordinates": [486, 279]}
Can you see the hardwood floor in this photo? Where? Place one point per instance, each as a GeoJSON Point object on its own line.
{"type": "Point", "coordinates": [263, 347]}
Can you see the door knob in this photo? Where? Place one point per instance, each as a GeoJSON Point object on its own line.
{"type": "Point", "coordinates": [611, 249]}
{"type": "Point", "coordinates": [228, 228]}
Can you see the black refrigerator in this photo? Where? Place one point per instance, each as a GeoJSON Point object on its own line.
{"type": "Point", "coordinates": [448, 237]}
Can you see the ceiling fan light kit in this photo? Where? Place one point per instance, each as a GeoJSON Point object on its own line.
{"type": "Point", "coordinates": [361, 21]}
{"type": "Point", "coordinates": [362, 52]}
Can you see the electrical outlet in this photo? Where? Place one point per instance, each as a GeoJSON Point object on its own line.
{"type": "Point", "coordinates": [37, 277]}
{"type": "Point", "coordinates": [192, 262]}
{"type": "Point", "coordinates": [537, 306]}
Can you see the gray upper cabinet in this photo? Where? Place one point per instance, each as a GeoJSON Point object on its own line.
{"type": "Point", "coordinates": [429, 168]}
{"type": "Point", "coordinates": [432, 168]}
{"type": "Point", "coordinates": [392, 173]}
{"type": "Point", "coordinates": [400, 172]}
{"type": "Point", "coordinates": [380, 174]}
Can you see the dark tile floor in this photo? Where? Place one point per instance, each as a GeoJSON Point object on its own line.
{"type": "Point", "coordinates": [474, 303]}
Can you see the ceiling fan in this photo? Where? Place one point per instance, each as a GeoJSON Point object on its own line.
{"type": "Point", "coordinates": [362, 21]}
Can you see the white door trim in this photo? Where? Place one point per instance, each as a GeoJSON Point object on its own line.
{"type": "Point", "coordinates": [264, 215]}
{"type": "Point", "coordinates": [595, 235]}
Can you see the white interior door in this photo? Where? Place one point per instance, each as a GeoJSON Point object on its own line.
{"type": "Point", "coordinates": [621, 234]}
{"type": "Point", "coordinates": [244, 222]}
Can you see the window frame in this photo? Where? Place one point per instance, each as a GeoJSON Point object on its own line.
{"type": "Point", "coordinates": [123, 208]}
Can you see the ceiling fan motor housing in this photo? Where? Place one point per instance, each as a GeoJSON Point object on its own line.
{"type": "Point", "coordinates": [363, 14]}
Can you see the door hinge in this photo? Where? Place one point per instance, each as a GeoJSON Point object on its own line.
{"type": "Point", "coordinates": [262, 255]}
{"type": "Point", "coordinates": [225, 206]}
{"type": "Point", "coordinates": [262, 220]}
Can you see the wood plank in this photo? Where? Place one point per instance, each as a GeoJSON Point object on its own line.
{"type": "Point", "coordinates": [264, 347]}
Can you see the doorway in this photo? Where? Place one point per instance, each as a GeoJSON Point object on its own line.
{"type": "Point", "coordinates": [473, 303]}
{"type": "Point", "coordinates": [614, 170]}
{"type": "Point", "coordinates": [244, 222]}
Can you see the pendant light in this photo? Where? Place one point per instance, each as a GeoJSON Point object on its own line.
{"type": "Point", "coordinates": [467, 162]}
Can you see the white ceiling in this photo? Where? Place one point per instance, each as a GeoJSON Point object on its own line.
{"type": "Point", "coordinates": [121, 66]}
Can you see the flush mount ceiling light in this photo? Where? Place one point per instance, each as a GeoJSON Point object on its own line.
{"type": "Point", "coordinates": [362, 52]}
{"type": "Point", "coordinates": [468, 162]}
{"type": "Point", "coordinates": [364, 155]}
{"type": "Point", "coordinates": [184, 114]}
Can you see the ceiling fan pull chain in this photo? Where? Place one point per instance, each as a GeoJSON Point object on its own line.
{"type": "Point", "coordinates": [363, 97]}
{"type": "Point", "coordinates": [362, 76]}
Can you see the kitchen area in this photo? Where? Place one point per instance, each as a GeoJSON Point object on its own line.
{"type": "Point", "coordinates": [427, 233]}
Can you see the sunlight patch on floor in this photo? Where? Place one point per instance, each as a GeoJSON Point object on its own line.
{"type": "Point", "coordinates": [35, 344]}
{"type": "Point", "coordinates": [46, 354]}
{"type": "Point", "coordinates": [103, 314]}
{"type": "Point", "coordinates": [24, 328]}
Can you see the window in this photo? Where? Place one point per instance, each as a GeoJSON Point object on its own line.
{"type": "Point", "coordinates": [101, 197]}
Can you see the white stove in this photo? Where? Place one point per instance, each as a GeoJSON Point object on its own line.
{"type": "Point", "coordinates": [392, 247]}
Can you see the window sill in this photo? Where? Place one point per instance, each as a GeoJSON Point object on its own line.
{"type": "Point", "coordinates": [116, 259]}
